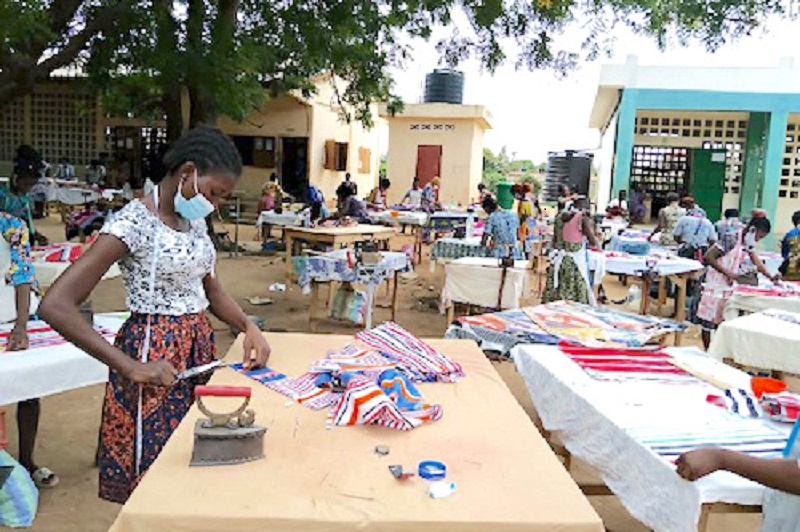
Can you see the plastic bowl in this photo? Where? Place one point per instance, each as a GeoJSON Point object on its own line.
{"type": "Point", "coordinates": [762, 385]}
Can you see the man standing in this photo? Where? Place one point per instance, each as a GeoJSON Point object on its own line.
{"type": "Point", "coordinates": [694, 234]}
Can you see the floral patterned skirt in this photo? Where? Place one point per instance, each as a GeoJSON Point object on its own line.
{"type": "Point", "coordinates": [571, 284]}
{"type": "Point", "coordinates": [185, 342]}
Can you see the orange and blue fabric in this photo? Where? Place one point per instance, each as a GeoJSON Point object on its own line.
{"type": "Point", "coordinates": [392, 402]}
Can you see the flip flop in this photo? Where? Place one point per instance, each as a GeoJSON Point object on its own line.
{"type": "Point", "coordinates": [259, 300]}
{"type": "Point", "coordinates": [44, 478]}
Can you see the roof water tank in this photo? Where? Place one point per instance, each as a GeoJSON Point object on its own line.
{"type": "Point", "coordinates": [444, 85]}
{"type": "Point", "coordinates": [572, 168]}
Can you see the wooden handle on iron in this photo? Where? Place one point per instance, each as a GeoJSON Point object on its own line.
{"type": "Point", "coordinates": [221, 391]}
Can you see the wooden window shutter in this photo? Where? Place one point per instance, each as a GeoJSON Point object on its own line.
{"type": "Point", "coordinates": [364, 160]}
{"type": "Point", "coordinates": [330, 155]}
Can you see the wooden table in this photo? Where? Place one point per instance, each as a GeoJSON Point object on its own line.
{"type": "Point", "coordinates": [333, 236]}
{"type": "Point", "coordinates": [313, 479]}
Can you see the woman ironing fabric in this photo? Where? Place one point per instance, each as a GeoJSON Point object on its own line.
{"type": "Point", "coordinates": [167, 262]}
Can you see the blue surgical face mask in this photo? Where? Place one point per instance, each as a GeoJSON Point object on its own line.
{"type": "Point", "coordinates": [194, 208]}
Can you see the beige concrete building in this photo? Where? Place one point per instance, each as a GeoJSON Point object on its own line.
{"type": "Point", "coordinates": [437, 139]}
{"type": "Point", "coordinates": [301, 139]}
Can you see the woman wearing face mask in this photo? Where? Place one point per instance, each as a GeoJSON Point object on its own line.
{"type": "Point", "coordinates": [167, 262]}
{"type": "Point", "coordinates": [730, 261]}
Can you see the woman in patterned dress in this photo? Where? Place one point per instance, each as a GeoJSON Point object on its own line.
{"type": "Point", "coordinates": [668, 218]}
{"type": "Point", "coordinates": [501, 233]}
{"type": "Point", "coordinates": [167, 262]}
{"type": "Point", "coordinates": [729, 262]}
{"type": "Point", "coordinates": [568, 273]}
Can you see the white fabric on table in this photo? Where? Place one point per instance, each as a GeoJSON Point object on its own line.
{"type": "Point", "coordinates": [476, 281]}
{"type": "Point", "coordinates": [634, 265]}
{"type": "Point", "coordinates": [759, 341]}
{"type": "Point", "coordinates": [756, 303]}
{"type": "Point", "coordinates": [284, 219]}
{"type": "Point", "coordinates": [53, 369]}
{"type": "Point", "coordinates": [399, 217]}
{"type": "Point", "coordinates": [76, 195]}
{"type": "Point", "coordinates": [594, 420]}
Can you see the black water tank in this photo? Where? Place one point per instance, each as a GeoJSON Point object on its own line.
{"type": "Point", "coordinates": [572, 168]}
{"type": "Point", "coordinates": [444, 86]}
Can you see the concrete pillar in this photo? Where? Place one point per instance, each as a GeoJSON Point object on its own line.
{"type": "Point", "coordinates": [761, 178]}
{"type": "Point", "coordinates": [623, 152]}
{"type": "Point", "coordinates": [773, 162]}
{"type": "Point", "coordinates": [753, 171]}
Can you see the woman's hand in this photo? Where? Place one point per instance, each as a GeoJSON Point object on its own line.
{"type": "Point", "coordinates": [17, 339]}
{"type": "Point", "coordinates": [157, 373]}
{"type": "Point", "coordinates": [255, 341]}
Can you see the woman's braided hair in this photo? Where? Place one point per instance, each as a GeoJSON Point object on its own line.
{"type": "Point", "coordinates": [208, 148]}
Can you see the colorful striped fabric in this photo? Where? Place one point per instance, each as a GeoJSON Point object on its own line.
{"type": "Point", "coordinates": [419, 359]}
{"type": "Point", "coordinates": [393, 403]}
{"type": "Point", "coordinates": [352, 358]}
{"type": "Point", "coordinates": [41, 335]}
{"type": "Point", "coordinates": [612, 364]}
{"type": "Point", "coordinates": [302, 389]}
{"type": "Point", "coordinates": [737, 434]}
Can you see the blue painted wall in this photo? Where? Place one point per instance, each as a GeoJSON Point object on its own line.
{"type": "Point", "coordinates": [775, 106]}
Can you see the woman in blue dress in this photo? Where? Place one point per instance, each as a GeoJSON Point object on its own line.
{"type": "Point", "coordinates": [502, 231]}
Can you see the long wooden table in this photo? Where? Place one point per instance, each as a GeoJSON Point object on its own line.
{"type": "Point", "coordinates": [313, 479]}
{"type": "Point", "coordinates": [333, 236]}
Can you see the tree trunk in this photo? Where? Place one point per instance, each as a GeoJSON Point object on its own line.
{"type": "Point", "coordinates": [174, 112]}
{"type": "Point", "coordinates": [170, 86]}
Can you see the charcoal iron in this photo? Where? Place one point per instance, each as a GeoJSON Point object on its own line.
{"type": "Point", "coordinates": [229, 438]}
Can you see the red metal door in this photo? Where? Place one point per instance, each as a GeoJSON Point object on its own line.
{"type": "Point", "coordinates": [429, 163]}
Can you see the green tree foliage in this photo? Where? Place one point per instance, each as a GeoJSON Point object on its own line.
{"type": "Point", "coordinates": [39, 37]}
{"type": "Point", "coordinates": [143, 54]}
{"type": "Point", "coordinates": [501, 167]}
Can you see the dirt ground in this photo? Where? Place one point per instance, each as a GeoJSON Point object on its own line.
{"type": "Point", "coordinates": [68, 428]}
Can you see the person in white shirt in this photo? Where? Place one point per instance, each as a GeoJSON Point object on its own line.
{"type": "Point", "coordinates": [619, 205]}
{"type": "Point", "coordinates": [413, 196]}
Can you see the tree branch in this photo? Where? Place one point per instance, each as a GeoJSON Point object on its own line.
{"type": "Point", "coordinates": [103, 20]}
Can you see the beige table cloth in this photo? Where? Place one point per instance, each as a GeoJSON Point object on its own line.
{"type": "Point", "coordinates": [314, 479]}
{"type": "Point", "coordinates": [759, 341]}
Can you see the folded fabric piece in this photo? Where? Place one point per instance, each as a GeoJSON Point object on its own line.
{"type": "Point", "coordinates": [598, 326]}
{"type": "Point", "coordinates": [784, 406]}
{"type": "Point", "coordinates": [393, 402]}
{"type": "Point", "coordinates": [302, 389]}
{"type": "Point", "coordinates": [419, 359]}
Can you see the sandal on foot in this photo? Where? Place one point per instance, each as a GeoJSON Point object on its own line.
{"type": "Point", "coordinates": [44, 478]}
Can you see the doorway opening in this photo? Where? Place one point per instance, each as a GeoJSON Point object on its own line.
{"type": "Point", "coordinates": [294, 165]}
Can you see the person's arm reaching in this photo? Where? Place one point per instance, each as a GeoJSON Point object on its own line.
{"type": "Point", "coordinates": [588, 230]}
{"type": "Point", "coordinates": [783, 475]}
{"type": "Point", "coordinates": [59, 308]}
{"type": "Point", "coordinates": [225, 308]}
{"type": "Point", "coordinates": [760, 266]}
